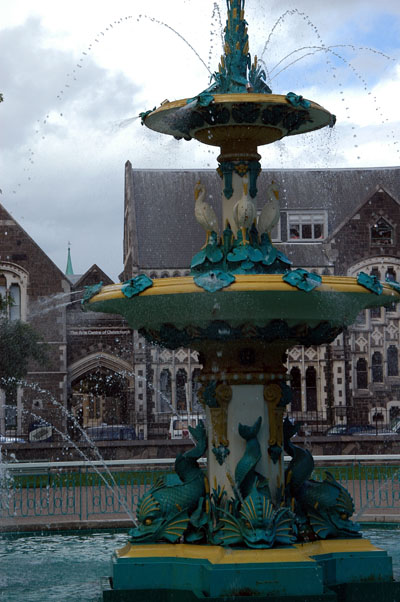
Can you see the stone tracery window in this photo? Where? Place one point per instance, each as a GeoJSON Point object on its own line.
{"type": "Point", "coordinates": [362, 373]}
{"type": "Point", "coordinates": [12, 288]}
{"type": "Point", "coordinates": [377, 368]}
{"type": "Point", "coordinates": [296, 389]}
{"type": "Point", "coordinates": [311, 389]}
{"type": "Point", "coordinates": [392, 361]}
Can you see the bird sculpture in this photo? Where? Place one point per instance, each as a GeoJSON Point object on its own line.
{"type": "Point", "coordinates": [270, 213]}
{"type": "Point", "coordinates": [203, 212]}
{"type": "Point", "coordinates": [244, 211]}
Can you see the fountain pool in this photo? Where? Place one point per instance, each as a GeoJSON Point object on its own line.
{"type": "Point", "coordinates": [75, 563]}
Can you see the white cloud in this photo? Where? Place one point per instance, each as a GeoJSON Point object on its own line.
{"type": "Point", "coordinates": [67, 173]}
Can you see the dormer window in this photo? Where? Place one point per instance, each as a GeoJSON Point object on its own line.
{"type": "Point", "coordinates": [381, 233]}
{"type": "Point", "coordinates": [307, 226]}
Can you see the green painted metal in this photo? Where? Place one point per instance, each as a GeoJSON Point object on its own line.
{"type": "Point", "coordinates": [69, 269]}
{"type": "Point", "coordinates": [152, 314]}
{"type": "Point", "coordinates": [197, 574]}
{"type": "Point", "coordinates": [168, 595]}
{"type": "Point", "coordinates": [168, 511]}
{"type": "Point", "coordinates": [237, 74]}
{"type": "Point", "coordinates": [254, 255]}
{"type": "Point", "coordinates": [322, 508]}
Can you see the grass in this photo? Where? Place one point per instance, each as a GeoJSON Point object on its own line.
{"type": "Point", "coordinates": [147, 478]}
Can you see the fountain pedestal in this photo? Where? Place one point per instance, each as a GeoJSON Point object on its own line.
{"type": "Point", "coordinates": [328, 571]}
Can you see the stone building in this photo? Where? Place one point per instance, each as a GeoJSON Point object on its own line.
{"type": "Point", "coordinates": [100, 377]}
{"type": "Point", "coordinates": [39, 290]}
{"type": "Point", "coordinates": [90, 372]}
{"type": "Point", "coordinates": [340, 222]}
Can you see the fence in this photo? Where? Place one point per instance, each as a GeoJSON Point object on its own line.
{"type": "Point", "coordinates": [161, 425]}
{"type": "Point", "coordinates": [46, 493]}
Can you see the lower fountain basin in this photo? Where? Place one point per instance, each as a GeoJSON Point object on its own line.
{"type": "Point", "coordinates": [176, 312]}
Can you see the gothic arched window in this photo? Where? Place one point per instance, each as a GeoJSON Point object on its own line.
{"type": "Point", "coordinates": [181, 380]}
{"type": "Point", "coordinates": [296, 389]}
{"type": "Point", "coordinates": [362, 373]}
{"type": "Point", "coordinates": [392, 361]}
{"type": "Point", "coordinates": [377, 368]}
{"type": "Point", "coordinates": [196, 385]}
{"type": "Point", "coordinates": [311, 389]}
{"type": "Point", "coordinates": [165, 390]}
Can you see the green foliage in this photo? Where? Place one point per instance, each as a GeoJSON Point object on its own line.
{"type": "Point", "coordinates": [19, 343]}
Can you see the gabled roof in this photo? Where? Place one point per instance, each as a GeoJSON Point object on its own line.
{"type": "Point", "coordinates": [378, 188]}
{"type": "Point", "coordinates": [92, 276]}
{"type": "Point", "coordinates": [10, 221]}
{"type": "Point", "coordinates": [168, 234]}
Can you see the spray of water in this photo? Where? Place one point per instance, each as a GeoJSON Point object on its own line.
{"type": "Point", "coordinates": [114, 488]}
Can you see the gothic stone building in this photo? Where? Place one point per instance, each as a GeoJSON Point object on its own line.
{"type": "Point", "coordinates": [338, 222]}
{"type": "Point", "coordinates": [91, 355]}
{"type": "Point", "coordinates": [39, 290]}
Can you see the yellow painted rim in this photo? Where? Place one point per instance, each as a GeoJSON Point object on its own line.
{"type": "Point", "coordinates": [243, 282]}
{"type": "Point", "coordinates": [219, 555]}
{"type": "Point", "coordinates": [233, 98]}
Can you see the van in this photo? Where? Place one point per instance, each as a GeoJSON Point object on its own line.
{"type": "Point", "coordinates": [178, 426]}
{"type": "Point", "coordinates": [110, 432]}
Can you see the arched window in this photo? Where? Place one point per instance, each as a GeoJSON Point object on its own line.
{"type": "Point", "coordinates": [362, 373]}
{"type": "Point", "coordinates": [377, 369]}
{"type": "Point", "coordinates": [165, 390]}
{"type": "Point", "coordinates": [196, 385]}
{"type": "Point", "coordinates": [311, 389]}
{"type": "Point", "coordinates": [392, 361]}
{"type": "Point", "coordinates": [13, 283]}
{"type": "Point", "coordinates": [181, 380]}
{"type": "Point", "coordinates": [390, 275]}
{"type": "Point", "coordinates": [296, 389]}
{"type": "Point", "coordinates": [381, 233]}
{"type": "Point", "coordinates": [15, 307]}
{"type": "Point", "coordinates": [12, 298]}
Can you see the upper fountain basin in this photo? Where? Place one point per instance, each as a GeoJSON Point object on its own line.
{"type": "Point", "coordinates": [237, 118]}
{"type": "Point", "coordinates": [176, 312]}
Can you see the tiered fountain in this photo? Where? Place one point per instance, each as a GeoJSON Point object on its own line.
{"type": "Point", "coordinates": [248, 527]}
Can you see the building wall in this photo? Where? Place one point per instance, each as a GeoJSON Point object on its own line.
{"type": "Point", "coordinates": [352, 202]}
{"type": "Point", "coordinates": [44, 290]}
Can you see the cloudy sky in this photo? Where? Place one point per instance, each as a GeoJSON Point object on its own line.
{"type": "Point", "coordinates": [75, 75]}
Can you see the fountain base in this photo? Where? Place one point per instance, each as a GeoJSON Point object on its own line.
{"type": "Point", "coordinates": [349, 570]}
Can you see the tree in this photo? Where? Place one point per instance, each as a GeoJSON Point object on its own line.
{"type": "Point", "coordinates": [19, 343]}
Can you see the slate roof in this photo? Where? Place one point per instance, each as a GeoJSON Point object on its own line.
{"type": "Point", "coordinates": [167, 232]}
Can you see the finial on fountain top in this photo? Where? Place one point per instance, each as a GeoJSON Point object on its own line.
{"type": "Point", "coordinates": [236, 73]}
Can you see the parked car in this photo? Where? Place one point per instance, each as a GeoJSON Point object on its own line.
{"type": "Point", "coordinates": [5, 439]}
{"type": "Point", "coordinates": [358, 429]}
{"type": "Point", "coordinates": [110, 432]}
{"type": "Point", "coordinates": [178, 426]}
{"type": "Point", "coordinates": [337, 429]}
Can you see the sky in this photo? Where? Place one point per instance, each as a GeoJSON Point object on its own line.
{"type": "Point", "coordinates": [76, 74]}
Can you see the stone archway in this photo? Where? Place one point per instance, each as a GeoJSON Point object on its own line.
{"type": "Point", "coordinates": [101, 387]}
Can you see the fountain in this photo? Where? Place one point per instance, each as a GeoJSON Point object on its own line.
{"type": "Point", "coordinates": [248, 527]}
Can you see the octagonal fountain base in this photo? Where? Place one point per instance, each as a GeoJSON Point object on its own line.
{"type": "Point", "coordinates": [345, 570]}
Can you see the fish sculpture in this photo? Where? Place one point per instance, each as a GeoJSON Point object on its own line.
{"type": "Point", "coordinates": [257, 524]}
{"type": "Point", "coordinates": [322, 508]}
{"type": "Point", "coordinates": [163, 513]}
